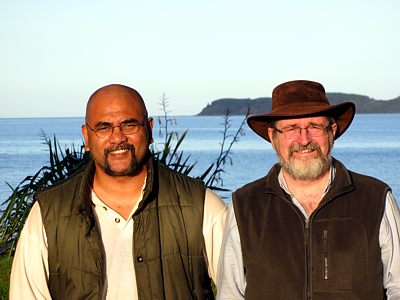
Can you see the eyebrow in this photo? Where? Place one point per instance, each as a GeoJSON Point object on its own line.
{"type": "Point", "coordinates": [130, 120]}
{"type": "Point", "coordinates": [100, 124]}
{"type": "Point", "coordinates": [103, 123]}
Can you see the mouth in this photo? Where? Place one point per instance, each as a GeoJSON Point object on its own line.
{"type": "Point", "coordinates": [300, 149]}
{"type": "Point", "coordinates": [305, 151]}
{"type": "Point", "coordinates": [119, 150]}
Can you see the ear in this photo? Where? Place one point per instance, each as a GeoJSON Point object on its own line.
{"type": "Point", "coordinates": [149, 129]}
{"type": "Point", "coordinates": [85, 137]}
{"type": "Point", "coordinates": [271, 136]}
{"type": "Point", "coordinates": [334, 128]}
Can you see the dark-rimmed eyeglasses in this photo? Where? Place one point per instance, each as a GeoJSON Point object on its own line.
{"type": "Point", "coordinates": [104, 131]}
{"type": "Point", "coordinates": [313, 130]}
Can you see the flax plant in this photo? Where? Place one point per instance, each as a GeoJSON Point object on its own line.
{"type": "Point", "coordinates": [61, 165]}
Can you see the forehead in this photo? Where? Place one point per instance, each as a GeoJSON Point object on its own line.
{"type": "Point", "coordinates": [115, 106]}
{"type": "Point", "coordinates": [302, 121]}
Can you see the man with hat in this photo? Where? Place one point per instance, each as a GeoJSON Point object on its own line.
{"type": "Point", "coordinates": [310, 229]}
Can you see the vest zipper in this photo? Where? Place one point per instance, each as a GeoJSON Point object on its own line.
{"type": "Point", "coordinates": [307, 252]}
{"type": "Point", "coordinates": [308, 258]}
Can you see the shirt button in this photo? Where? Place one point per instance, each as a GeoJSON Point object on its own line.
{"type": "Point", "coordinates": [139, 259]}
{"type": "Point", "coordinates": [117, 220]}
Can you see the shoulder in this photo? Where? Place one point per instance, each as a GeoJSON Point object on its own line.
{"type": "Point", "coordinates": [360, 180]}
{"type": "Point", "coordinates": [168, 177]}
{"type": "Point", "coordinates": [215, 211]}
{"type": "Point", "coordinates": [64, 195]}
{"type": "Point", "coordinates": [260, 185]}
{"type": "Point", "coordinates": [368, 181]}
{"type": "Point", "coordinates": [357, 178]}
{"type": "Point", "coordinates": [214, 203]}
{"type": "Point", "coordinates": [163, 170]}
{"type": "Point", "coordinates": [174, 186]}
{"type": "Point", "coordinates": [248, 195]}
{"type": "Point", "coordinates": [64, 184]}
{"type": "Point", "coordinates": [59, 187]}
{"type": "Point", "coordinates": [252, 187]}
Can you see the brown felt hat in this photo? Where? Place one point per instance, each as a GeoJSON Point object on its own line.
{"type": "Point", "coordinates": [300, 99]}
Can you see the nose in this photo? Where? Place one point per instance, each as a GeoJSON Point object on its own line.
{"type": "Point", "coordinates": [117, 136]}
{"type": "Point", "coordinates": [304, 138]}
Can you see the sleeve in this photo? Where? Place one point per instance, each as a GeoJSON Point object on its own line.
{"type": "Point", "coordinates": [231, 280]}
{"type": "Point", "coordinates": [29, 273]}
{"type": "Point", "coordinates": [213, 228]}
{"type": "Point", "coordinates": [389, 239]}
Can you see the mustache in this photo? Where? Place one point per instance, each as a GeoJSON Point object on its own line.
{"type": "Point", "coordinates": [130, 147]}
{"type": "Point", "coordinates": [298, 147]}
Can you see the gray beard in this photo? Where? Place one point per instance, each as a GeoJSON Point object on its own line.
{"type": "Point", "coordinates": [306, 169]}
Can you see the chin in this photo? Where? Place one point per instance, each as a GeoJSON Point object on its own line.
{"type": "Point", "coordinates": [306, 169]}
{"type": "Point", "coordinates": [121, 171]}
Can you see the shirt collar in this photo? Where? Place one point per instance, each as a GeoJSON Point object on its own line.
{"type": "Point", "coordinates": [98, 202]}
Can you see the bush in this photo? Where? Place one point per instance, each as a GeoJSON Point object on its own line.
{"type": "Point", "coordinates": [5, 267]}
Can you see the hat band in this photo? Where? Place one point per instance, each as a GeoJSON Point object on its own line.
{"type": "Point", "coordinates": [295, 109]}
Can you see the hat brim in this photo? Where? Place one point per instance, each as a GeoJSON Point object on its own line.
{"type": "Point", "coordinates": [343, 113]}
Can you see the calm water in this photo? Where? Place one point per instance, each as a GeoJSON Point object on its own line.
{"type": "Point", "coordinates": [371, 146]}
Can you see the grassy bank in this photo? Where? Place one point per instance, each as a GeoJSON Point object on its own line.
{"type": "Point", "coordinates": [5, 269]}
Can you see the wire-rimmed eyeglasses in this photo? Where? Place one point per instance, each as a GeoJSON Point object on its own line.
{"type": "Point", "coordinates": [105, 130]}
{"type": "Point", "coordinates": [313, 130]}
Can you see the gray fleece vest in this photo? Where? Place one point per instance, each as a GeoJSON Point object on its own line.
{"type": "Point", "coordinates": [335, 255]}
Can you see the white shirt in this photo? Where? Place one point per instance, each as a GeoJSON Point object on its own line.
{"type": "Point", "coordinates": [231, 280]}
{"type": "Point", "coordinates": [30, 270]}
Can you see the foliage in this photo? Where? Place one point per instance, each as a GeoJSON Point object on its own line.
{"type": "Point", "coordinates": [170, 154]}
{"type": "Point", "coordinates": [228, 140]}
{"type": "Point", "coordinates": [61, 165]}
{"type": "Point", "coordinates": [175, 159]}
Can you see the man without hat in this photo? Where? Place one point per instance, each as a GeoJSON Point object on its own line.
{"type": "Point", "coordinates": [310, 229]}
{"type": "Point", "coordinates": [125, 226]}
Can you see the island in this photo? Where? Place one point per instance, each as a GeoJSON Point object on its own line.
{"type": "Point", "coordinates": [235, 106]}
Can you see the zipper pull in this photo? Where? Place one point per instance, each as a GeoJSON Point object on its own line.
{"type": "Point", "coordinates": [307, 229]}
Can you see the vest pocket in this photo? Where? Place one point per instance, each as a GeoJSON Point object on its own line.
{"type": "Point", "coordinates": [325, 259]}
{"type": "Point", "coordinates": [339, 254]}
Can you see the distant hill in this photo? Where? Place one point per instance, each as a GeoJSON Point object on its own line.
{"type": "Point", "coordinates": [364, 105]}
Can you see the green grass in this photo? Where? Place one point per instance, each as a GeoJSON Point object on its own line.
{"type": "Point", "coordinates": [5, 270]}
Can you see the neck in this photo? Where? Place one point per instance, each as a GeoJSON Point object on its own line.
{"type": "Point", "coordinates": [121, 193]}
{"type": "Point", "coordinates": [308, 192]}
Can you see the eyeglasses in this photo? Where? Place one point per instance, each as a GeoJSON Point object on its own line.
{"type": "Point", "coordinates": [105, 130]}
{"type": "Point", "coordinates": [313, 130]}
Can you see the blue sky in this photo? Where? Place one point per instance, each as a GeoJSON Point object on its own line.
{"type": "Point", "coordinates": [54, 54]}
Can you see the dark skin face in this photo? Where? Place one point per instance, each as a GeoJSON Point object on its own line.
{"type": "Point", "coordinates": [119, 154]}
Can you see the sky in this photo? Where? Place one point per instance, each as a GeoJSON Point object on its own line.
{"type": "Point", "coordinates": [55, 54]}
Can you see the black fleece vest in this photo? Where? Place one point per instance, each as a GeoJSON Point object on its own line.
{"type": "Point", "coordinates": [334, 255]}
{"type": "Point", "coordinates": [168, 245]}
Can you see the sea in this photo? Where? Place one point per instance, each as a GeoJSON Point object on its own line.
{"type": "Point", "coordinates": [370, 146]}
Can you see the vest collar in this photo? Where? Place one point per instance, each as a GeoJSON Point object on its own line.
{"type": "Point", "coordinates": [340, 182]}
